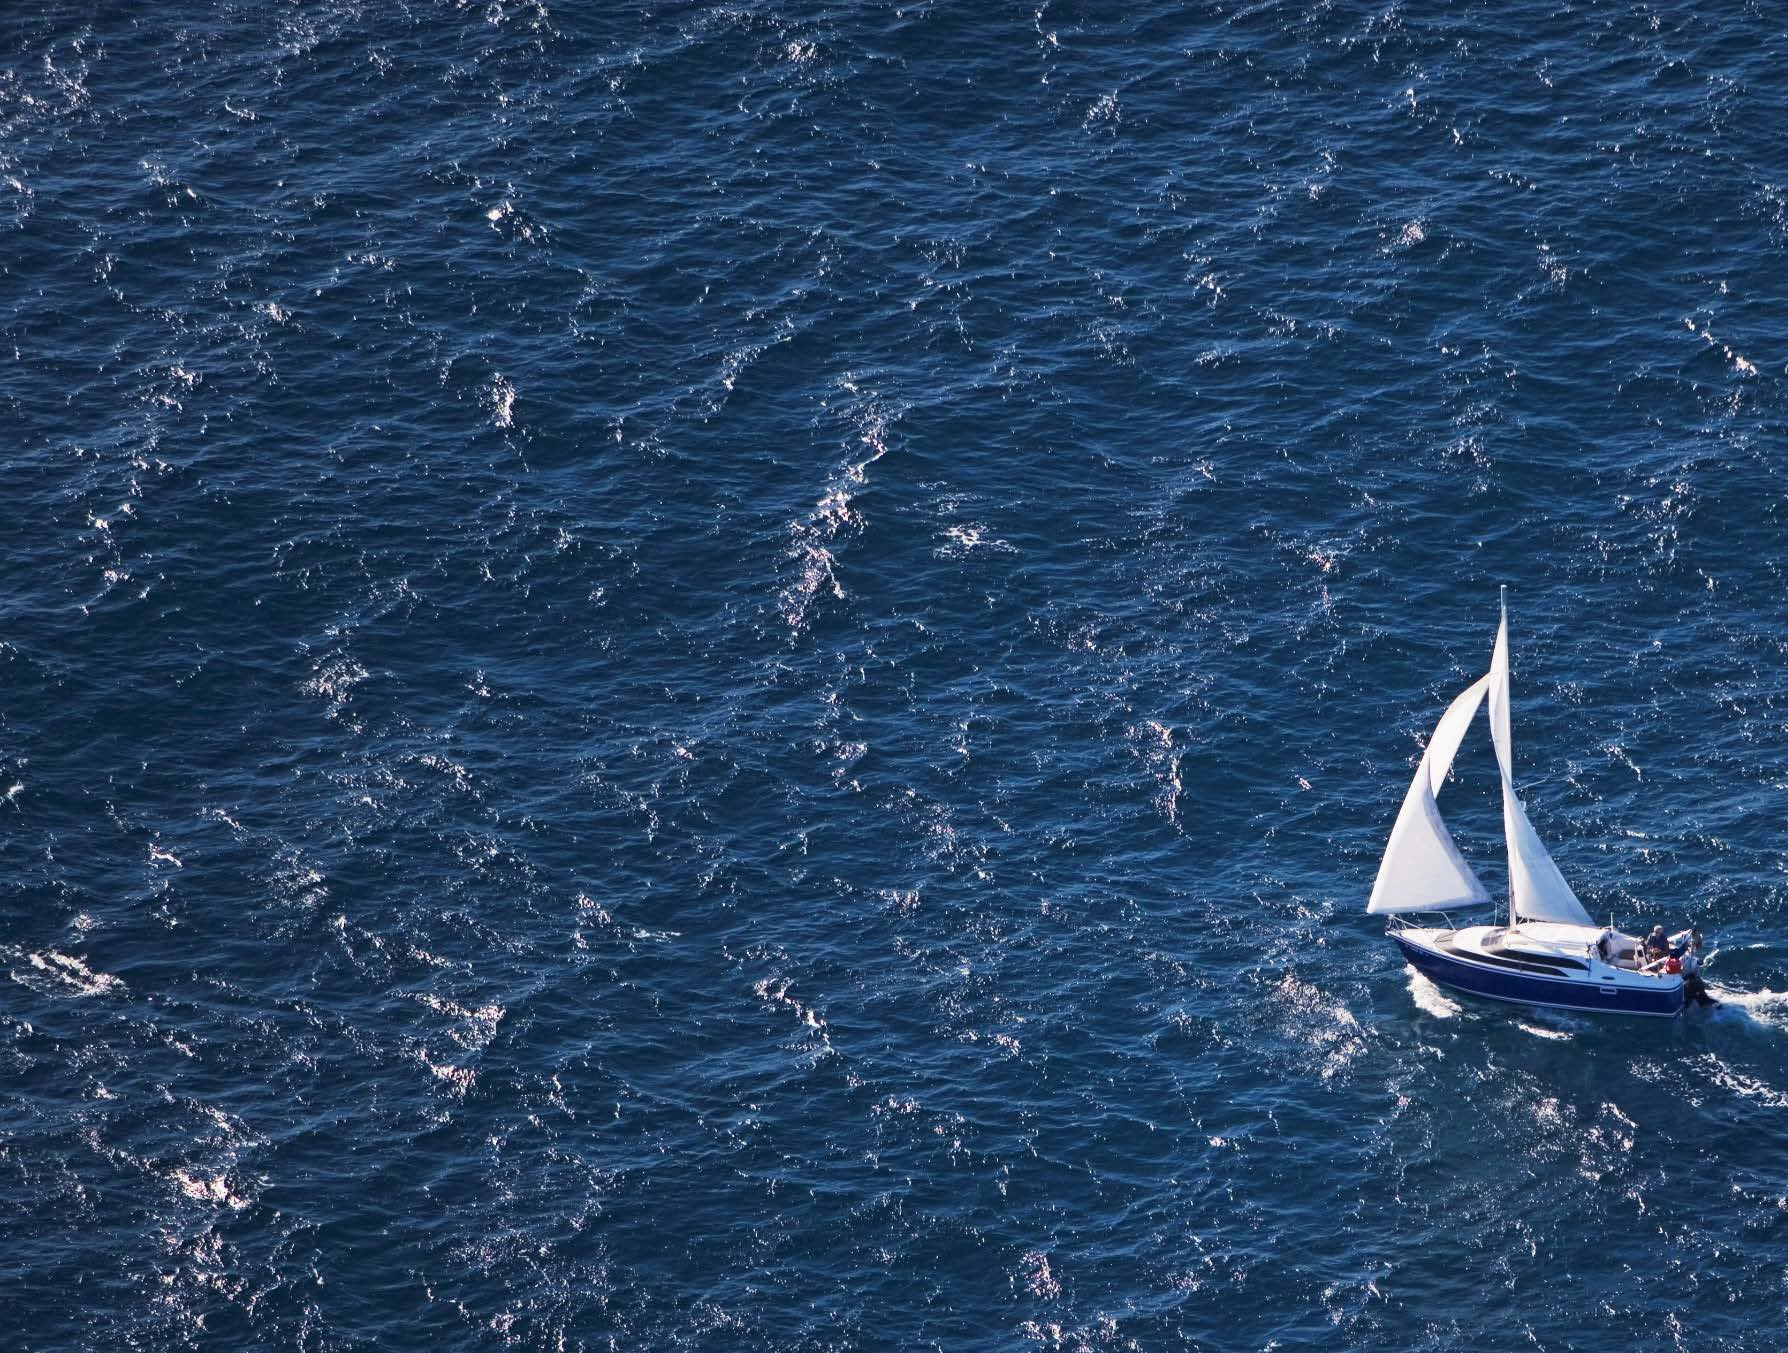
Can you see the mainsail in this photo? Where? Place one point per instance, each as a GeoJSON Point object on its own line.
{"type": "Point", "coordinates": [1422, 869]}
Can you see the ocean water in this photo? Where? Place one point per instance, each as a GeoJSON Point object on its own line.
{"type": "Point", "coordinates": [729, 677]}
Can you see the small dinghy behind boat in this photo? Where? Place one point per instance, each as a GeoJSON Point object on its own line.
{"type": "Point", "coordinates": [1550, 953]}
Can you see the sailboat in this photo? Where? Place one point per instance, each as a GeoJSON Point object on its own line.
{"type": "Point", "coordinates": [1549, 952]}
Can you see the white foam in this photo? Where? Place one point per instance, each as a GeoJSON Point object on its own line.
{"type": "Point", "coordinates": [831, 516]}
{"type": "Point", "coordinates": [207, 1188]}
{"type": "Point", "coordinates": [1105, 110]}
{"type": "Point", "coordinates": [68, 975]}
{"type": "Point", "coordinates": [1430, 999]}
{"type": "Point", "coordinates": [459, 1079]}
{"type": "Point", "coordinates": [1556, 1024]}
{"type": "Point", "coordinates": [1325, 1026]}
{"type": "Point", "coordinates": [1411, 235]}
{"type": "Point", "coordinates": [904, 901]}
{"type": "Point", "coordinates": [334, 678]}
{"type": "Point", "coordinates": [1154, 742]}
{"type": "Point", "coordinates": [958, 540]}
{"type": "Point", "coordinates": [1766, 1008]}
{"type": "Point", "coordinates": [500, 399]}
{"type": "Point", "coordinates": [1740, 363]}
{"type": "Point", "coordinates": [1034, 1273]}
{"type": "Point", "coordinates": [1556, 1035]}
{"type": "Point", "coordinates": [480, 1025]}
{"type": "Point", "coordinates": [1746, 1087]}
{"type": "Point", "coordinates": [776, 990]}
{"type": "Point", "coordinates": [224, 818]}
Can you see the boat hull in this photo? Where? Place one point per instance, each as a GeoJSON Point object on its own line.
{"type": "Point", "coordinates": [1662, 999]}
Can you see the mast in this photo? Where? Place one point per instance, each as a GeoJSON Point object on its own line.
{"type": "Point", "coordinates": [1499, 734]}
{"type": "Point", "coordinates": [1502, 602]}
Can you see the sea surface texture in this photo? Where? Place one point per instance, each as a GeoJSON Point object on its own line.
{"type": "Point", "coordinates": [730, 677]}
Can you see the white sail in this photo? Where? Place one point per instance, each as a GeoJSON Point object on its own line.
{"type": "Point", "coordinates": [1537, 891]}
{"type": "Point", "coordinates": [1450, 732]}
{"type": "Point", "coordinates": [1422, 869]}
{"type": "Point", "coordinates": [1499, 700]}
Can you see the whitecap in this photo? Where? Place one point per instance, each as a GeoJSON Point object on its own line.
{"type": "Point", "coordinates": [1104, 111]}
{"type": "Point", "coordinates": [776, 991]}
{"type": "Point", "coordinates": [963, 538]}
{"type": "Point", "coordinates": [334, 678]}
{"type": "Point", "coordinates": [458, 1079]}
{"type": "Point", "coordinates": [1411, 235]}
{"type": "Point", "coordinates": [1323, 1025]}
{"type": "Point", "coordinates": [207, 1188]}
{"type": "Point", "coordinates": [68, 975]}
{"type": "Point", "coordinates": [479, 1025]}
{"type": "Point", "coordinates": [500, 400]}
{"type": "Point", "coordinates": [1745, 1087]}
{"type": "Point", "coordinates": [1034, 1273]}
{"type": "Point", "coordinates": [830, 517]}
{"type": "Point", "coordinates": [904, 901]}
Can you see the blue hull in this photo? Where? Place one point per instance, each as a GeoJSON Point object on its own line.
{"type": "Point", "coordinates": [1523, 989]}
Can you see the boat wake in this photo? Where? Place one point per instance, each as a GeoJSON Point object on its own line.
{"type": "Point", "coordinates": [1429, 998]}
{"type": "Point", "coordinates": [1766, 1008]}
{"type": "Point", "coordinates": [1547, 1031]}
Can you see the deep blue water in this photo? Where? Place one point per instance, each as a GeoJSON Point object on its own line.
{"type": "Point", "coordinates": [724, 678]}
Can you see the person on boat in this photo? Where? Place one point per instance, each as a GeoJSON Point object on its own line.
{"type": "Point", "coordinates": [1685, 941]}
{"type": "Point", "coordinates": [1693, 988]}
{"type": "Point", "coordinates": [1665, 965]}
{"type": "Point", "coordinates": [1656, 945]}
